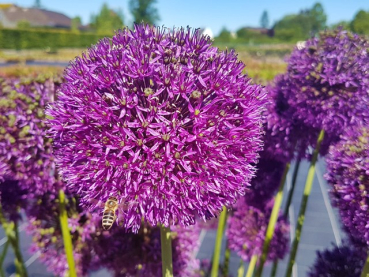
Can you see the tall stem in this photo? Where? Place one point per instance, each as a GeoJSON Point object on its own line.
{"type": "Point", "coordinates": [365, 272]}
{"type": "Point", "coordinates": [241, 269]}
{"type": "Point", "coordinates": [227, 256]}
{"type": "Point", "coordinates": [166, 251]}
{"type": "Point", "coordinates": [12, 236]}
{"type": "Point", "coordinates": [286, 209]}
{"type": "Point", "coordinates": [272, 221]}
{"type": "Point", "coordinates": [218, 243]}
{"type": "Point", "coordinates": [2, 257]}
{"type": "Point", "coordinates": [252, 264]}
{"type": "Point", "coordinates": [67, 239]}
{"type": "Point", "coordinates": [304, 201]}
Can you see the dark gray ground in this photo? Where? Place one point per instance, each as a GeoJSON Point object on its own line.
{"type": "Point", "coordinates": [321, 229]}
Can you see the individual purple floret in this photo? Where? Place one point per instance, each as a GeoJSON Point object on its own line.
{"type": "Point", "coordinates": [341, 261]}
{"type": "Point", "coordinates": [330, 81]}
{"type": "Point", "coordinates": [247, 228]}
{"type": "Point", "coordinates": [348, 174]}
{"type": "Point", "coordinates": [25, 151]}
{"type": "Point", "coordinates": [161, 120]}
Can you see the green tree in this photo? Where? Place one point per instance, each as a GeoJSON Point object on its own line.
{"type": "Point", "coordinates": [23, 24]}
{"type": "Point", "coordinates": [144, 11]}
{"type": "Point", "coordinates": [360, 23]}
{"type": "Point", "coordinates": [75, 24]}
{"type": "Point", "coordinates": [344, 24]}
{"type": "Point", "coordinates": [107, 20]}
{"type": "Point", "coordinates": [224, 35]}
{"type": "Point", "coordinates": [318, 18]}
{"type": "Point", "coordinates": [264, 20]}
{"type": "Point", "coordinates": [38, 4]}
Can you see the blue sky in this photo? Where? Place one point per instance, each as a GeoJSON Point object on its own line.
{"type": "Point", "coordinates": [214, 14]}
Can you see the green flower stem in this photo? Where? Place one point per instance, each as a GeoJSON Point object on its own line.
{"type": "Point", "coordinates": [12, 236]}
{"type": "Point", "coordinates": [241, 269]}
{"type": "Point", "coordinates": [272, 221]}
{"type": "Point", "coordinates": [67, 239]}
{"type": "Point", "coordinates": [2, 258]}
{"type": "Point", "coordinates": [304, 201]}
{"type": "Point", "coordinates": [286, 209]}
{"type": "Point", "coordinates": [166, 251]}
{"type": "Point", "coordinates": [218, 243]}
{"type": "Point", "coordinates": [365, 272]}
{"type": "Point", "coordinates": [252, 264]}
{"type": "Point", "coordinates": [227, 256]}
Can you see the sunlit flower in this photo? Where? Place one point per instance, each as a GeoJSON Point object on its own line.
{"type": "Point", "coordinates": [161, 120]}
{"type": "Point", "coordinates": [348, 174]}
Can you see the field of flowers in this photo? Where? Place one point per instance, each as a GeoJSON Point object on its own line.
{"type": "Point", "coordinates": [120, 160]}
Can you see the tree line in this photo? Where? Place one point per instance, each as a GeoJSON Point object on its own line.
{"type": "Point", "coordinates": [295, 27]}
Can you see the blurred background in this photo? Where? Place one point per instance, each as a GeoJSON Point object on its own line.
{"type": "Point", "coordinates": [42, 36]}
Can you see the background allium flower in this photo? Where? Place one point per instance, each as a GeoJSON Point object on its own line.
{"type": "Point", "coordinates": [128, 254]}
{"type": "Point", "coordinates": [160, 119]}
{"type": "Point", "coordinates": [12, 198]}
{"type": "Point", "coordinates": [44, 226]}
{"type": "Point", "coordinates": [329, 81]}
{"type": "Point", "coordinates": [246, 232]}
{"type": "Point", "coordinates": [287, 136]}
{"type": "Point", "coordinates": [348, 174]}
{"type": "Point", "coordinates": [25, 152]}
{"type": "Point", "coordinates": [340, 261]}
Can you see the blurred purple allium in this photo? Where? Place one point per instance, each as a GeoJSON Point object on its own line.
{"type": "Point", "coordinates": [161, 120]}
{"type": "Point", "coordinates": [287, 136]}
{"type": "Point", "coordinates": [44, 226]}
{"type": "Point", "coordinates": [25, 151]}
{"type": "Point", "coordinates": [342, 261]}
{"type": "Point", "coordinates": [246, 232]}
{"type": "Point", "coordinates": [348, 174]}
{"type": "Point", "coordinates": [12, 198]}
{"type": "Point", "coordinates": [128, 254]}
{"type": "Point", "coordinates": [329, 81]}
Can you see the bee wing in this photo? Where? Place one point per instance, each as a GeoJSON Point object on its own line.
{"type": "Point", "coordinates": [127, 204]}
{"type": "Point", "coordinates": [97, 203]}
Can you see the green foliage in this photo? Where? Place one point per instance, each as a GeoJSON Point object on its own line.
{"type": "Point", "coordinates": [23, 24]}
{"type": "Point", "coordinates": [144, 11]}
{"type": "Point", "coordinates": [344, 24]}
{"type": "Point", "coordinates": [107, 21]}
{"type": "Point", "coordinates": [301, 26]}
{"type": "Point", "coordinates": [75, 24]}
{"type": "Point", "coordinates": [224, 35]}
{"type": "Point", "coordinates": [360, 23]}
{"type": "Point", "coordinates": [264, 20]}
{"type": "Point", "coordinates": [31, 39]}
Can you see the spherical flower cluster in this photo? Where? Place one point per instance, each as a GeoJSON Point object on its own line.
{"type": "Point", "coordinates": [44, 226]}
{"type": "Point", "coordinates": [247, 228]}
{"type": "Point", "coordinates": [348, 174]}
{"type": "Point", "coordinates": [25, 152]}
{"type": "Point", "coordinates": [161, 120]}
{"type": "Point", "coordinates": [287, 136]}
{"type": "Point", "coordinates": [341, 261]}
{"type": "Point", "coordinates": [330, 81]}
{"type": "Point", "coordinates": [128, 254]}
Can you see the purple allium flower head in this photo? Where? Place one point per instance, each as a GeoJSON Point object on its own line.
{"type": "Point", "coordinates": [128, 254]}
{"type": "Point", "coordinates": [341, 261]}
{"type": "Point", "coordinates": [25, 151]}
{"type": "Point", "coordinates": [330, 81]}
{"type": "Point", "coordinates": [12, 198]}
{"type": "Point", "coordinates": [44, 226]}
{"type": "Point", "coordinates": [287, 136]}
{"type": "Point", "coordinates": [348, 174]}
{"type": "Point", "coordinates": [161, 120]}
{"type": "Point", "coordinates": [247, 228]}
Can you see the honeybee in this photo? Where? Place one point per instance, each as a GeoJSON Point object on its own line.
{"type": "Point", "coordinates": [109, 215]}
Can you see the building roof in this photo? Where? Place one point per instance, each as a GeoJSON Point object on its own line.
{"type": "Point", "coordinates": [36, 17]}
